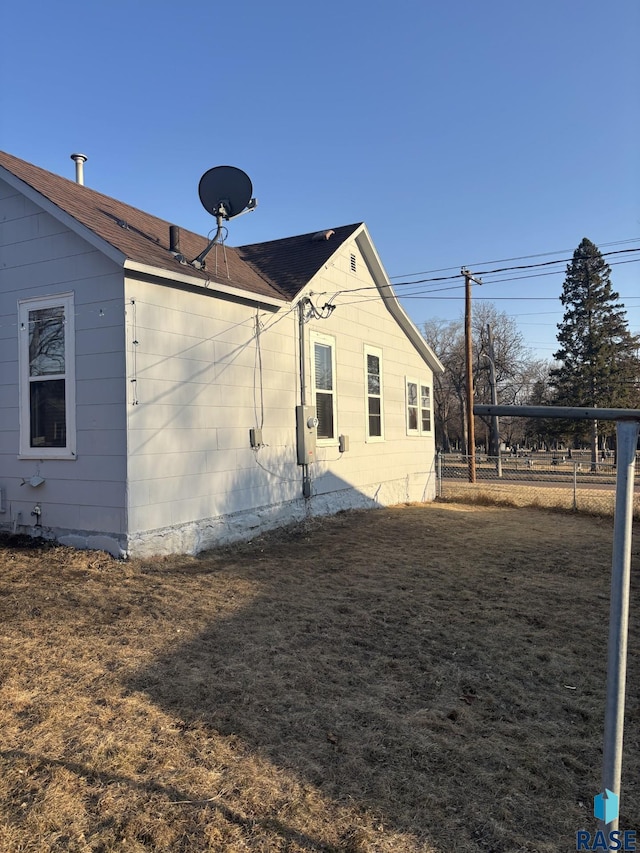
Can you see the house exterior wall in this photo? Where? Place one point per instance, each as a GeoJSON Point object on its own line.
{"type": "Point", "coordinates": [82, 498]}
{"type": "Point", "coordinates": [399, 467]}
{"type": "Point", "coordinates": [199, 378]}
{"type": "Point", "coordinates": [168, 382]}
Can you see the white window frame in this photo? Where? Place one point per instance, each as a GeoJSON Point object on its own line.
{"type": "Point", "coordinates": [422, 409]}
{"type": "Point", "coordinates": [26, 451]}
{"type": "Point", "coordinates": [420, 384]}
{"type": "Point", "coordinates": [330, 341]}
{"type": "Point", "coordinates": [377, 352]}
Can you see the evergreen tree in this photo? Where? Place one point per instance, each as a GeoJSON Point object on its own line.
{"type": "Point", "coordinates": [598, 360]}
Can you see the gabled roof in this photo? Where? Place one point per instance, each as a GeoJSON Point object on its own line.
{"type": "Point", "coordinates": [293, 261]}
{"type": "Point", "coordinates": [278, 269]}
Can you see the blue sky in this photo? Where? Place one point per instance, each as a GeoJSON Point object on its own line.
{"type": "Point", "coordinates": [462, 133]}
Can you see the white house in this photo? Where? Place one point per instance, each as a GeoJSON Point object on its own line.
{"type": "Point", "coordinates": [148, 407]}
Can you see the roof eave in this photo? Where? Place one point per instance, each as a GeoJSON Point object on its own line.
{"type": "Point", "coordinates": [209, 286]}
{"type": "Point", "coordinates": [381, 279]}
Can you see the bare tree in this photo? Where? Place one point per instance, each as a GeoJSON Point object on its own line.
{"type": "Point", "coordinates": [446, 338]}
{"type": "Point", "coordinates": [515, 371]}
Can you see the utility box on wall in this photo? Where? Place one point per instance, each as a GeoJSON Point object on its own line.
{"type": "Point", "coordinates": [307, 430]}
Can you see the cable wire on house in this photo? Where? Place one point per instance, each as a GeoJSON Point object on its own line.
{"type": "Point", "coordinates": [257, 365]}
{"type": "Point", "coordinates": [272, 473]}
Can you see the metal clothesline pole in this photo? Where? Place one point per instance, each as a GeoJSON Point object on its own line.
{"type": "Point", "coordinates": [627, 429]}
{"type": "Point", "coordinates": [627, 440]}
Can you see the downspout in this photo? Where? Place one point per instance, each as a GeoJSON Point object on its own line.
{"type": "Point", "coordinates": [303, 372]}
{"type": "Point", "coordinates": [306, 479]}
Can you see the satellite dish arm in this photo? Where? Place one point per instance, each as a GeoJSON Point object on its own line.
{"type": "Point", "coordinates": [221, 213]}
{"type": "Point", "coordinates": [198, 262]}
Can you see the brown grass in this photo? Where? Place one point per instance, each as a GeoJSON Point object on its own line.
{"type": "Point", "coordinates": [421, 678]}
{"type": "Point", "coordinates": [588, 500]}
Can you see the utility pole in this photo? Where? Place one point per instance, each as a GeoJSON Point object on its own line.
{"type": "Point", "coordinates": [471, 436]}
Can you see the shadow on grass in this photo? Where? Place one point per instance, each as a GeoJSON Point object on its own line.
{"type": "Point", "coordinates": [413, 692]}
{"type": "Point", "coordinates": [173, 796]}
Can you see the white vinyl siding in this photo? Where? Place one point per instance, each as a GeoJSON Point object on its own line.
{"type": "Point", "coordinates": [323, 373]}
{"type": "Point", "coordinates": [418, 406]}
{"type": "Point", "coordinates": [47, 377]}
{"type": "Point", "coordinates": [374, 411]}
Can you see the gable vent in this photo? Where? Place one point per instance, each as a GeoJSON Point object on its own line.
{"type": "Point", "coordinates": [353, 263]}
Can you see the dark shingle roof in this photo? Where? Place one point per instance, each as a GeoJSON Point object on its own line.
{"type": "Point", "coordinates": [293, 261]}
{"type": "Point", "coordinates": [278, 268]}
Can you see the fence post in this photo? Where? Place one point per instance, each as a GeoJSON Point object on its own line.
{"type": "Point", "coordinates": [575, 486]}
{"type": "Point", "coordinates": [627, 428]}
{"type": "Point", "coordinates": [626, 442]}
{"type": "Point", "coordinates": [439, 472]}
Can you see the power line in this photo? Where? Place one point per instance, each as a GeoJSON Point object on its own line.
{"type": "Point", "coordinates": [423, 293]}
{"type": "Point", "coordinates": [551, 272]}
{"type": "Point", "coordinates": [507, 260]}
{"type": "Point", "coordinates": [518, 267]}
{"type": "Point", "coordinates": [553, 263]}
{"type": "Point", "coordinates": [406, 295]}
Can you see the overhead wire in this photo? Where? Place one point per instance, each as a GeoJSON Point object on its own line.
{"type": "Point", "coordinates": [507, 260]}
{"type": "Point", "coordinates": [509, 269]}
{"type": "Point", "coordinates": [423, 293]}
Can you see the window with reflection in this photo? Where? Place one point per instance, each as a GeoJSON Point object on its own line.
{"type": "Point", "coordinates": [418, 396]}
{"type": "Point", "coordinates": [323, 381]}
{"type": "Point", "coordinates": [374, 413]}
{"type": "Point", "coordinates": [46, 365]}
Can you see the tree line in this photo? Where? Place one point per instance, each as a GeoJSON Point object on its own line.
{"type": "Point", "coordinates": [596, 364]}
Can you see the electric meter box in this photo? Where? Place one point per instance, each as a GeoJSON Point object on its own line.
{"type": "Point", "coordinates": [307, 431]}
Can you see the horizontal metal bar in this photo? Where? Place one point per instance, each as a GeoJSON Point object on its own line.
{"type": "Point", "coordinates": [567, 412]}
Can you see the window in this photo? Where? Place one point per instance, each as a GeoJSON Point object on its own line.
{"type": "Point", "coordinates": [373, 379]}
{"type": "Point", "coordinates": [324, 384]}
{"type": "Point", "coordinates": [47, 387]}
{"type": "Point", "coordinates": [412, 406]}
{"type": "Point", "coordinates": [425, 408]}
{"type": "Point", "coordinates": [418, 407]}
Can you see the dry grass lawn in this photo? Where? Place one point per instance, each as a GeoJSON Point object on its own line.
{"type": "Point", "coordinates": [589, 499]}
{"type": "Point", "coordinates": [420, 678]}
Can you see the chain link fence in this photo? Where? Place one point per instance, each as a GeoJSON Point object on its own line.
{"type": "Point", "coordinates": [556, 480]}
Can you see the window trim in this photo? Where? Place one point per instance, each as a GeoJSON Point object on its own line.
{"type": "Point", "coordinates": [422, 409]}
{"type": "Point", "coordinates": [376, 351]}
{"type": "Point", "coordinates": [420, 384]}
{"type": "Point", "coordinates": [330, 341]}
{"type": "Point", "coordinates": [26, 451]}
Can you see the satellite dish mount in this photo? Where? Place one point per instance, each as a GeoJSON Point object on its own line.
{"type": "Point", "coordinates": [225, 192]}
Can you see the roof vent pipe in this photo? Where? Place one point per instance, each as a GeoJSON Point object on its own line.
{"type": "Point", "coordinates": [80, 160]}
{"type": "Point", "coordinates": [174, 239]}
{"type": "Point", "coordinates": [174, 244]}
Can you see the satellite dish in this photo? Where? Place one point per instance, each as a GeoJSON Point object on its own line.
{"type": "Point", "coordinates": [225, 191]}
